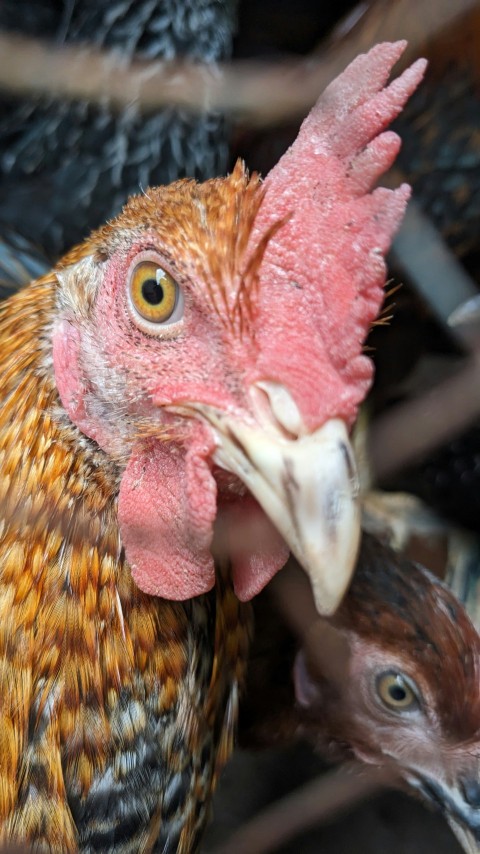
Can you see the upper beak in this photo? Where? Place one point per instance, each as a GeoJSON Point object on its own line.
{"type": "Point", "coordinates": [305, 483]}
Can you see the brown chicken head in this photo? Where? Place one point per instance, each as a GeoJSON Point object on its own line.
{"type": "Point", "coordinates": [399, 684]}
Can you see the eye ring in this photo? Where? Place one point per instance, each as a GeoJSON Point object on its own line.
{"type": "Point", "coordinates": [397, 692]}
{"type": "Point", "coordinates": [155, 298]}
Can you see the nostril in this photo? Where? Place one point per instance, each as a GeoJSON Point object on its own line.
{"type": "Point", "coordinates": [277, 404]}
{"type": "Point", "coordinates": [470, 788]}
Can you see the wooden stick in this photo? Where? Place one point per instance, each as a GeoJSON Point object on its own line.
{"type": "Point", "coordinates": [257, 93]}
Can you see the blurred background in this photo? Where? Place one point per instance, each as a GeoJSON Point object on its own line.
{"type": "Point", "coordinates": [80, 131]}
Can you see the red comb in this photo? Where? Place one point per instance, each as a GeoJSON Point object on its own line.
{"type": "Point", "coordinates": [322, 276]}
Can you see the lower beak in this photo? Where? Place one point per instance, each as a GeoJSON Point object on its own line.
{"type": "Point", "coordinates": [469, 840]}
{"type": "Point", "coordinates": [309, 489]}
{"type": "Point", "coordinates": [463, 818]}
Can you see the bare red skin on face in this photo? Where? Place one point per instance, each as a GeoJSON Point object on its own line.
{"type": "Point", "coordinates": [168, 503]}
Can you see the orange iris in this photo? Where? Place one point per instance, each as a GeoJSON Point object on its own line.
{"type": "Point", "coordinates": [153, 291]}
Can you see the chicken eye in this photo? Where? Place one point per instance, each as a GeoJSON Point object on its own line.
{"type": "Point", "coordinates": [154, 293]}
{"type": "Point", "coordinates": [395, 692]}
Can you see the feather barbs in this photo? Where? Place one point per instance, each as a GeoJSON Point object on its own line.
{"type": "Point", "coordinates": [205, 233]}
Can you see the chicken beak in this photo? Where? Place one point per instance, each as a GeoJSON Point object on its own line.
{"type": "Point", "coordinates": [460, 804]}
{"type": "Point", "coordinates": [308, 487]}
{"type": "Point", "coordinates": [465, 837]}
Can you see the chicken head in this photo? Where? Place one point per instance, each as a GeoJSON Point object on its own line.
{"type": "Point", "coordinates": [397, 683]}
{"type": "Point", "coordinates": [209, 340]}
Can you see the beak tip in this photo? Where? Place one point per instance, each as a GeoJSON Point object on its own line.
{"type": "Point", "coordinates": [330, 580]}
{"type": "Point", "coordinates": [464, 837]}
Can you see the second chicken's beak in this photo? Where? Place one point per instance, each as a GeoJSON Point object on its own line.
{"type": "Point", "coordinates": [307, 485]}
{"type": "Point", "coordinates": [465, 837]}
{"type": "Point", "coordinates": [460, 804]}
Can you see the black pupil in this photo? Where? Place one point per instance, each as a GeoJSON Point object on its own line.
{"type": "Point", "coordinates": [397, 693]}
{"type": "Point", "coordinates": [152, 292]}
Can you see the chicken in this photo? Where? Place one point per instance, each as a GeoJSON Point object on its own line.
{"type": "Point", "coordinates": [163, 369]}
{"type": "Point", "coordinates": [395, 680]}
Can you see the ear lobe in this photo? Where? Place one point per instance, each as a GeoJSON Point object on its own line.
{"type": "Point", "coordinates": [322, 664]}
{"type": "Point", "coordinates": [307, 690]}
{"type": "Point", "coordinates": [72, 384]}
{"type": "Point", "coordinates": [68, 377]}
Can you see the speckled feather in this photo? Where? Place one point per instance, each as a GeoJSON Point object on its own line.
{"type": "Point", "coordinates": [117, 708]}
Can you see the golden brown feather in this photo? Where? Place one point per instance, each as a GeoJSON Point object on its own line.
{"type": "Point", "coordinates": [82, 649]}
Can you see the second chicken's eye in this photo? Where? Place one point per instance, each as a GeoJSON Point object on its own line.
{"type": "Point", "coordinates": [154, 294]}
{"type": "Point", "coordinates": [395, 692]}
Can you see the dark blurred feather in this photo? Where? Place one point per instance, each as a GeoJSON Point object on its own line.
{"type": "Point", "coordinates": [67, 167]}
{"type": "Point", "coordinates": [20, 262]}
{"type": "Point", "coordinates": [440, 155]}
